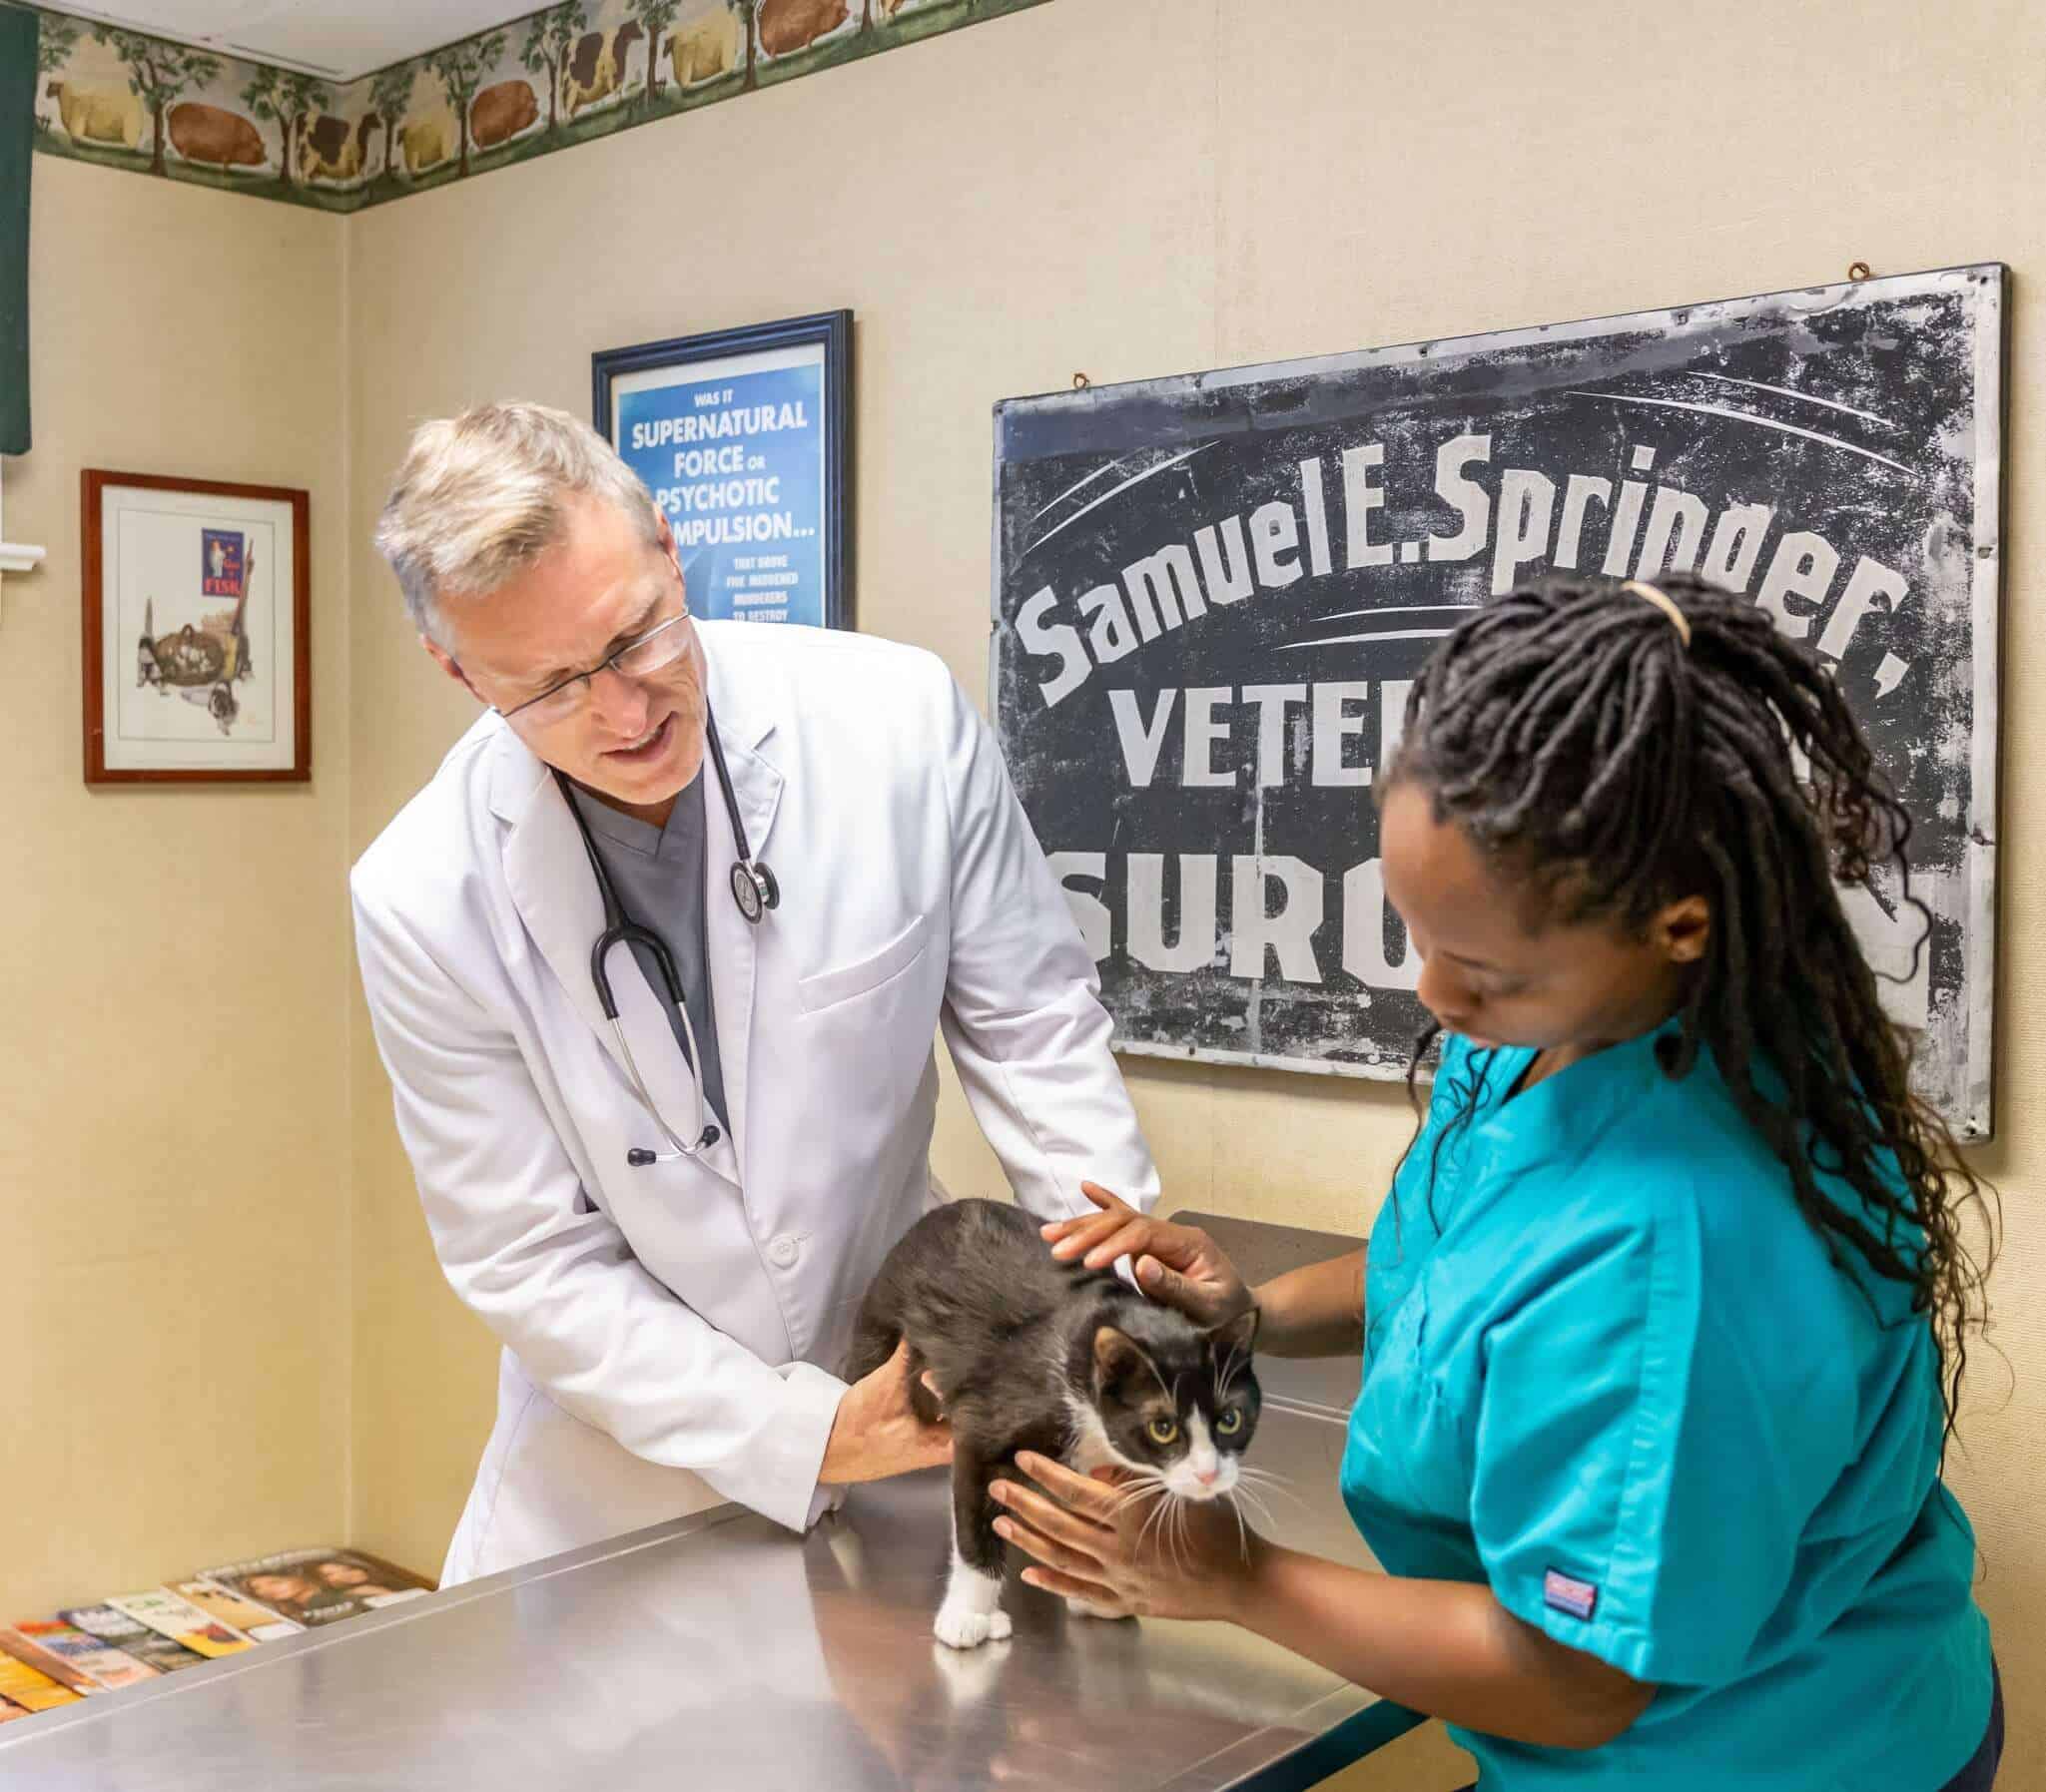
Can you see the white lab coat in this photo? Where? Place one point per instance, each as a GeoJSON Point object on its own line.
{"type": "Point", "coordinates": [671, 1331]}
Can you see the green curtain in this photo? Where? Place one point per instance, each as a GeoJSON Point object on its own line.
{"type": "Point", "coordinates": [17, 132]}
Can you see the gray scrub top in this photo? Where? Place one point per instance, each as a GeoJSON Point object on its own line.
{"type": "Point", "coordinates": [658, 875]}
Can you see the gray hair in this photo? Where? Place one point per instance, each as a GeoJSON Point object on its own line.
{"type": "Point", "coordinates": [479, 496]}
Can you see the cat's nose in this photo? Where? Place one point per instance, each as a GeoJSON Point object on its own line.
{"type": "Point", "coordinates": [1208, 1477]}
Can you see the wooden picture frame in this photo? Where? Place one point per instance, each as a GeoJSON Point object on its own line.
{"type": "Point", "coordinates": [722, 429]}
{"type": "Point", "coordinates": [200, 590]}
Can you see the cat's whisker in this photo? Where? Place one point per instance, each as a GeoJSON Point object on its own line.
{"type": "Point", "coordinates": [1232, 1365]}
{"type": "Point", "coordinates": [1156, 1517]}
{"type": "Point", "coordinates": [1256, 1501]}
{"type": "Point", "coordinates": [1143, 1489]}
{"type": "Point", "coordinates": [1263, 1516]}
{"type": "Point", "coordinates": [1242, 1530]}
{"type": "Point", "coordinates": [1269, 1482]}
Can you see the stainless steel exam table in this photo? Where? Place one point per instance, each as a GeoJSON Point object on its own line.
{"type": "Point", "coordinates": [721, 1651]}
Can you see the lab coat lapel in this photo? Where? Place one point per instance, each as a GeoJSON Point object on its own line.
{"type": "Point", "coordinates": [734, 942]}
{"type": "Point", "coordinates": [548, 875]}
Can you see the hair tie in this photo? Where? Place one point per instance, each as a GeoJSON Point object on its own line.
{"type": "Point", "coordinates": [1663, 602]}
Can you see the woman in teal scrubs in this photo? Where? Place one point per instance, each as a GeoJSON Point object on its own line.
{"type": "Point", "coordinates": [1664, 1321]}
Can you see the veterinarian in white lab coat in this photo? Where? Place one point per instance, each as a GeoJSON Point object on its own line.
{"type": "Point", "coordinates": [670, 1329]}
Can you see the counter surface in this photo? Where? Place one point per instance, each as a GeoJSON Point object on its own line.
{"type": "Point", "coordinates": [721, 1651]}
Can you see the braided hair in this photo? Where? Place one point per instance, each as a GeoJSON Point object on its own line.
{"type": "Point", "coordinates": [1575, 736]}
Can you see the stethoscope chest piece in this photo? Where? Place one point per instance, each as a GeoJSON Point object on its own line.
{"type": "Point", "coordinates": [754, 889]}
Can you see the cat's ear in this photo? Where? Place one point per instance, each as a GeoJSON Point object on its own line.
{"type": "Point", "coordinates": [1237, 1334]}
{"type": "Point", "coordinates": [1117, 1356]}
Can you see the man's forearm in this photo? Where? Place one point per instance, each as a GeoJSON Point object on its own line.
{"type": "Point", "coordinates": [1317, 1311]}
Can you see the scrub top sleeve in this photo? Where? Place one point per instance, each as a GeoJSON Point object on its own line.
{"type": "Point", "coordinates": [1640, 1478]}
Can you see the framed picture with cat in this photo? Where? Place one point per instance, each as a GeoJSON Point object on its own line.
{"type": "Point", "coordinates": [198, 640]}
{"type": "Point", "coordinates": [744, 438]}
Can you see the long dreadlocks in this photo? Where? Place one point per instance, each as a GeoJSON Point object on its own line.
{"type": "Point", "coordinates": [1571, 734]}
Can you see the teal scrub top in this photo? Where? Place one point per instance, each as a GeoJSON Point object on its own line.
{"type": "Point", "coordinates": [1611, 1371]}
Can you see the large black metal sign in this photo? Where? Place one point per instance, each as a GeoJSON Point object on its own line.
{"type": "Point", "coordinates": [1212, 594]}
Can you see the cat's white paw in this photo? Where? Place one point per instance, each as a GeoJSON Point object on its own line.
{"type": "Point", "coordinates": [960, 1627]}
{"type": "Point", "coordinates": [1106, 1613]}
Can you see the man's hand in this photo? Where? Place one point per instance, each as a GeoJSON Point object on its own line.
{"type": "Point", "coordinates": [875, 1433]}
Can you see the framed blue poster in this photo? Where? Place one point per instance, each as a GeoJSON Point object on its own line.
{"type": "Point", "coordinates": [742, 435]}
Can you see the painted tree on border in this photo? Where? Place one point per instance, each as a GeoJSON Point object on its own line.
{"type": "Point", "coordinates": [303, 95]}
{"type": "Point", "coordinates": [552, 35]}
{"type": "Point", "coordinates": [656, 16]}
{"type": "Point", "coordinates": [746, 9]}
{"type": "Point", "coordinates": [55, 40]}
{"type": "Point", "coordinates": [462, 68]}
{"type": "Point", "coordinates": [158, 73]}
{"type": "Point", "coordinates": [390, 96]}
{"type": "Point", "coordinates": [285, 98]}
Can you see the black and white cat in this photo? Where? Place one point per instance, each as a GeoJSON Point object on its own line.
{"type": "Point", "coordinates": [1030, 1353]}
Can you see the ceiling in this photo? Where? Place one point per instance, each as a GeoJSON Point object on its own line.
{"type": "Point", "coordinates": [339, 39]}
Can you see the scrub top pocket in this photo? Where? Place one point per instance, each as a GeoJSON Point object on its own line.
{"type": "Point", "coordinates": [1409, 1442]}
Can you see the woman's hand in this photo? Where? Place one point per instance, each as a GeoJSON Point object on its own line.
{"type": "Point", "coordinates": [1180, 1264]}
{"type": "Point", "coordinates": [1107, 1542]}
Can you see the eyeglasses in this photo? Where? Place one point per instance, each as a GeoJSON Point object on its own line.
{"type": "Point", "coordinates": [658, 648]}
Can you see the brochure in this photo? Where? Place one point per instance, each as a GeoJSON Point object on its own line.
{"type": "Point", "coordinates": [182, 1621]}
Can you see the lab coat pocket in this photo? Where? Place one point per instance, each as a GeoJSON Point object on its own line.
{"type": "Point", "coordinates": [830, 988]}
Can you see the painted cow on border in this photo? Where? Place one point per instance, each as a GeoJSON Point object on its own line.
{"type": "Point", "coordinates": [332, 149]}
{"type": "Point", "coordinates": [595, 68]}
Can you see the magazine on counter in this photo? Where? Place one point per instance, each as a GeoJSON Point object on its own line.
{"type": "Point", "coordinates": [81, 1661]}
{"type": "Point", "coordinates": [320, 1586]}
{"type": "Point", "coordinates": [183, 1622]}
{"type": "Point", "coordinates": [123, 1633]}
{"type": "Point", "coordinates": [31, 1688]}
{"type": "Point", "coordinates": [65, 1673]}
{"type": "Point", "coordinates": [228, 1607]}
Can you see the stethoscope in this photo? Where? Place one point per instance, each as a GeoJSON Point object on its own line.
{"type": "Point", "coordinates": [754, 889]}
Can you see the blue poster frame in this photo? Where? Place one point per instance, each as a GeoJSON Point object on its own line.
{"type": "Point", "coordinates": [834, 331]}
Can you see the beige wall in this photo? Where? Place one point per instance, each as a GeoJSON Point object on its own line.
{"type": "Point", "coordinates": [1120, 186]}
{"type": "Point", "coordinates": [174, 1131]}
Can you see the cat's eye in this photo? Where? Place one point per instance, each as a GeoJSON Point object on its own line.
{"type": "Point", "coordinates": [1228, 1423]}
{"type": "Point", "coordinates": [1163, 1430]}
